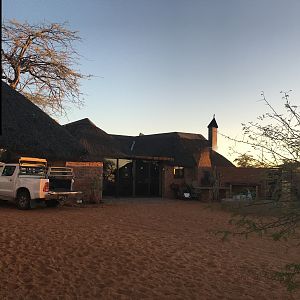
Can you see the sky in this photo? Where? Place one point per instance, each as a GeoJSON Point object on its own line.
{"type": "Point", "coordinates": [170, 65]}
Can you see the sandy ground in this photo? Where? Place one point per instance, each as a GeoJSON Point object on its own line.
{"type": "Point", "coordinates": [133, 250]}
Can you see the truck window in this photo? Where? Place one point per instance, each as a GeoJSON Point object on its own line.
{"type": "Point", "coordinates": [8, 171]}
{"type": "Point", "coordinates": [37, 171]}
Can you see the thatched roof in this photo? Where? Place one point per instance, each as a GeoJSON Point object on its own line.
{"type": "Point", "coordinates": [219, 160]}
{"type": "Point", "coordinates": [184, 148]}
{"type": "Point", "coordinates": [174, 145]}
{"type": "Point", "coordinates": [96, 142]}
{"type": "Point", "coordinates": [28, 131]}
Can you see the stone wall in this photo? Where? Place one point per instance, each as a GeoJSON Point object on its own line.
{"type": "Point", "coordinates": [88, 179]}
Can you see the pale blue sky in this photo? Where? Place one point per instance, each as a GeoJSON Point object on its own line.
{"type": "Point", "coordinates": [169, 65]}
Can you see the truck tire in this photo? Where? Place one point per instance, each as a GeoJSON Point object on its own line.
{"type": "Point", "coordinates": [23, 200]}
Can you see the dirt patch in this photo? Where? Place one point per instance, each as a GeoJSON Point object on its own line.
{"type": "Point", "coordinates": [156, 249]}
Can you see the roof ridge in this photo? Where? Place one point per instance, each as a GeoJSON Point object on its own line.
{"type": "Point", "coordinates": [177, 133]}
{"type": "Point", "coordinates": [82, 121]}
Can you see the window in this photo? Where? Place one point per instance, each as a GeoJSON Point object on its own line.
{"type": "Point", "coordinates": [8, 170]}
{"type": "Point", "coordinates": [178, 172]}
{"type": "Point", "coordinates": [37, 171]}
{"type": "Point", "coordinates": [125, 169]}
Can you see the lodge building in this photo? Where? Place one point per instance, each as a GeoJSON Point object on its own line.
{"type": "Point", "coordinates": [155, 165]}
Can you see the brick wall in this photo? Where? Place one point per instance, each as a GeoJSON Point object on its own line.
{"type": "Point", "coordinates": [205, 160]}
{"type": "Point", "coordinates": [168, 179]}
{"type": "Point", "coordinates": [88, 179]}
{"type": "Point", "coordinates": [242, 175]}
{"type": "Point", "coordinates": [238, 178]}
{"type": "Point", "coordinates": [247, 177]}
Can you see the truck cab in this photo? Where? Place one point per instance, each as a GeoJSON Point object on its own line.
{"type": "Point", "coordinates": [31, 181]}
{"type": "Point", "coordinates": [24, 181]}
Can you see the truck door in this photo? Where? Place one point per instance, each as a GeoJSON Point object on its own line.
{"type": "Point", "coordinates": [7, 183]}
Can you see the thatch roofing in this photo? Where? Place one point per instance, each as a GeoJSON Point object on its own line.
{"type": "Point", "coordinates": [219, 160]}
{"type": "Point", "coordinates": [28, 131]}
{"type": "Point", "coordinates": [96, 142]}
{"type": "Point", "coordinates": [184, 148]}
{"type": "Point", "coordinates": [174, 145]}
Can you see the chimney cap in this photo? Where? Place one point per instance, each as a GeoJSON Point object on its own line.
{"type": "Point", "coordinates": [213, 123]}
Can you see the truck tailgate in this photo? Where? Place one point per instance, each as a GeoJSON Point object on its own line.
{"type": "Point", "coordinates": [64, 197]}
{"type": "Point", "coordinates": [57, 195]}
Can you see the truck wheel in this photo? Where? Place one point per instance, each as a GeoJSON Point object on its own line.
{"type": "Point", "coordinates": [23, 200]}
{"type": "Point", "coordinates": [52, 203]}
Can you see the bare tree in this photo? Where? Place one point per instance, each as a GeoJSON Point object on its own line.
{"type": "Point", "coordinates": [39, 61]}
{"type": "Point", "coordinates": [275, 142]}
{"type": "Point", "coordinates": [275, 137]}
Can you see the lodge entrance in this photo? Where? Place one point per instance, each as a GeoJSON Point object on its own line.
{"type": "Point", "coordinates": [130, 178]}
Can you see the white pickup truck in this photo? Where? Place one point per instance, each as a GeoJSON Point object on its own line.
{"type": "Point", "coordinates": [30, 181]}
